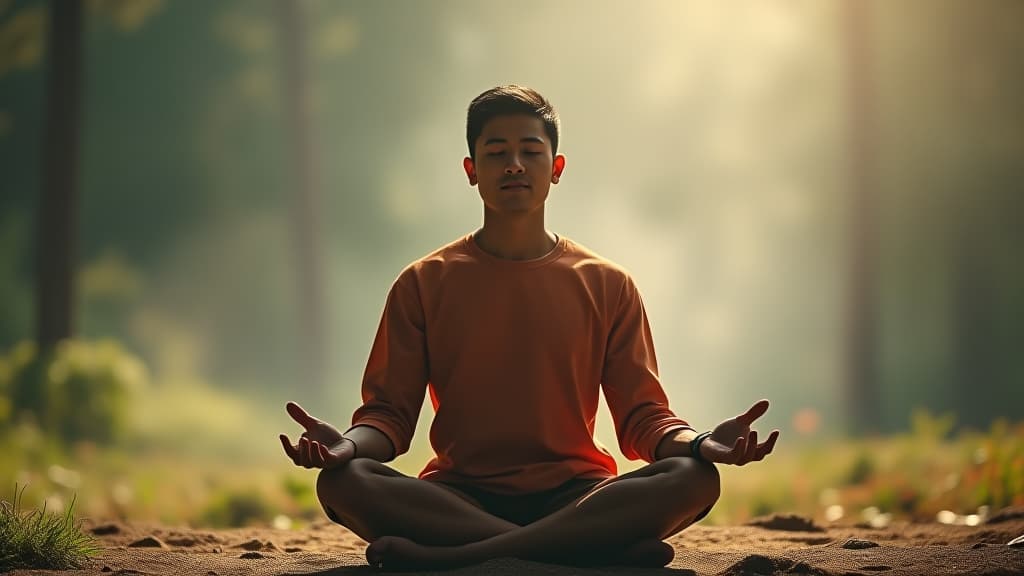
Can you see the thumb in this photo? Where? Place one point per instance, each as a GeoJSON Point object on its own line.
{"type": "Point", "coordinates": [301, 416]}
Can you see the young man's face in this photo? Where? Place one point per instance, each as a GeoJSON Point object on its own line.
{"type": "Point", "coordinates": [514, 168]}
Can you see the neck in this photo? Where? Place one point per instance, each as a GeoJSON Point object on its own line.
{"type": "Point", "coordinates": [520, 238]}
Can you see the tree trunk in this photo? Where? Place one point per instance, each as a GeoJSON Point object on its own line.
{"type": "Point", "coordinates": [56, 228]}
{"type": "Point", "coordinates": [305, 197]}
{"type": "Point", "coordinates": [860, 378]}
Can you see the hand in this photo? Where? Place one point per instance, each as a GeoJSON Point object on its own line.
{"type": "Point", "coordinates": [733, 442]}
{"type": "Point", "coordinates": [320, 446]}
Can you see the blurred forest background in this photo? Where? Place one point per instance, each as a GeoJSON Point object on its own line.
{"type": "Point", "coordinates": [205, 203]}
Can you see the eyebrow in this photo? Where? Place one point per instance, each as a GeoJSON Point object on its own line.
{"type": "Point", "coordinates": [528, 139]}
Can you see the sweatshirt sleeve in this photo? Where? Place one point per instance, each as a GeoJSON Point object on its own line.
{"type": "Point", "coordinates": [395, 379]}
{"type": "Point", "coordinates": [637, 402]}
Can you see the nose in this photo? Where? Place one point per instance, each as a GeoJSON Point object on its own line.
{"type": "Point", "coordinates": [514, 165]}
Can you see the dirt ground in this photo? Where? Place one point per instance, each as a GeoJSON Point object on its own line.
{"type": "Point", "coordinates": [780, 545]}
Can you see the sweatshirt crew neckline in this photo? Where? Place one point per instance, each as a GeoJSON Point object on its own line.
{"type": "Point", "coordinates": [473, 248]}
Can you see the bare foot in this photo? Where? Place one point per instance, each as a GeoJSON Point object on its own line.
{"type": "Point", "coordinates": [646, 554]}
{"type": "Point", "coordinates": [396, 553]}
{"type": "Point", "coordinates": [643, 554]}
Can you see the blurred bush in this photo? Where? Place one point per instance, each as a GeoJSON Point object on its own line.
{"type": "Point", "coordinates": [300, 490]}
{"type": "Point", "coordinates": [233, 508]}
{"type": "Point", "coordinates": [81, 391]}
{"type": "Point", "coordinates": [863, 467]}
{"type": "Point", "coordinates": [996, 475]}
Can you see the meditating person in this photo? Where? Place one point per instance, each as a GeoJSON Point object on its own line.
{"type": "Point", "coordinates": [514, 331]}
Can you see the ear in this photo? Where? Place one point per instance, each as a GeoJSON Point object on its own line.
{"type": "Point", "coordinates": [470, 168]}
{"type": "Point", "coordinates": [556, 168]}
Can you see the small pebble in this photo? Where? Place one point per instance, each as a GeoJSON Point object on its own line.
{"type": "Point", "coordinates": [788, 522]}
{"type": "Point", "coordinates": [251, 545]}
{"type": "Point", "coordinates": [148, 542]}
{"type": "Point", "coordinates": [252, 555]}
{"type": "Point", "coordinates": [858, 544]}
{"type": "Point", "coordinates": [106, 529]}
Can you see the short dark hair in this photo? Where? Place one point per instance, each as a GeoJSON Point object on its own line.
{"type": "Point", "coordinates": [505, 101]}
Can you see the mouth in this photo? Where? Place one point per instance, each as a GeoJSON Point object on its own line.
{"type": "Point", "coordinates": [515, 186]}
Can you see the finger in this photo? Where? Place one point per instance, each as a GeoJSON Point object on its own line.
{"type": "Point", "coordinates": [310, 451]}
{"type": "Point", "coordinates": [769, 445]}
{"type": "Point", "coordinates": [301, 416]}
{"type": "Point", "coordinates": [316, 452]}
{"type": "Point", "coordinates": [289, 449]}
{"type": "Point", "coordinates": [737, 450]}
{"type": "Point", "coordinates": [766, 447]}
{"type": "Point", "coordinates": [741, 452]}
{"type": "Point", "coordinates": [305, 459]}
{"type": "Point", "coordinates": [751, 450]}
{"type": "Point", "coordinates": [755, 412]}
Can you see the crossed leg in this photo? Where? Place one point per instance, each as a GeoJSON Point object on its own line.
{"type": "Point", "coordinates": [374, 500]}
{"type": "Point", "coordinates": [412, 523]}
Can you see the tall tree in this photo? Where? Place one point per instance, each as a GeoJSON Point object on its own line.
{"type": "Point", "coordinates": [860, 380]}
{"type": "Point", "coordinates": [56, 226]}
{"type": "Point", "coordinates": [305, 196]}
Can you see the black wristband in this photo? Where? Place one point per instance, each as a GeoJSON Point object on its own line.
{"type": "Point", "coordinates": [695, 446]}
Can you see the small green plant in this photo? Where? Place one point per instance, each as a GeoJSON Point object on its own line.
{"type": "Point", "coordinates": [37, 539]}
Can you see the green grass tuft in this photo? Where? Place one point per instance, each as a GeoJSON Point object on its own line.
{"type": "Point", "coordinates": [37, 539]}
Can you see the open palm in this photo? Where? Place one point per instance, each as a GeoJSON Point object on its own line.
{"type": "Point", "coordinates": [320, 445]}
{"type": "Point", "coordinates": [734, 442]}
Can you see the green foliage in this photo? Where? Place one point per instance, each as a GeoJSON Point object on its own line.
{"type": "Point", "coordinates": [233, 508]}
{"type": "Point", "coordinates": [37, 539]}
{"type": "Point", "coordinates": [927, 427]}
{"type": "Point", "coordinates": [911, 476]}
{"type": "Point", "coordinates": [300, 490]}
{"type": "Point", "coordinates": [897, 495]}
{"type": "Point", "coordinates": [995, 477]}
{"type": "Point", "coordinates": [218, 423]}
{"type": "Point", "coordinates": [80, 391]}
{"type": "Point", "coordinates": [862, 469]}
{"type": "Point", "coordinates": [762, 507]}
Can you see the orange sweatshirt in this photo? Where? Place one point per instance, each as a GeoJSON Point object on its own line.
{"type": "Point", "coordinates": [514, 354]}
